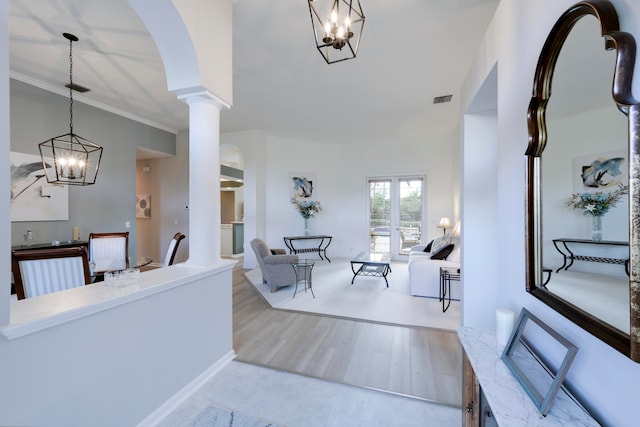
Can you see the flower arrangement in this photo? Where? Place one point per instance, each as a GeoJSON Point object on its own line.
{"type": "Point", "coordinates": [598, 203]}
{"type": "Point", "coordinates": [307, 208]}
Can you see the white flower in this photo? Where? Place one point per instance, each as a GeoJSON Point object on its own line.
{"type": "Point", "coordinates": [307, 208]}
{"type": "Point", "coordinates": [598, 203]}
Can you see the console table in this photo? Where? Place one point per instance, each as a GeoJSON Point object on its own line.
{"type": "Point", "coordinates": [562, 246]}
{"type": "Point", "coordinates": [50, 245]}
{"type": "Point", "coordinates": [492, 394]}
{"type": "Point", "coordinates": [321, 248]}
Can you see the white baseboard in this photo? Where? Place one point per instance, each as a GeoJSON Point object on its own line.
{"type": "Point", "coordinates": [177, 399]}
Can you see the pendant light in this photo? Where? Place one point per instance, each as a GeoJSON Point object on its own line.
{"type": "Point", "coordinates": [70, 159]}
{"type": "Point", "coordinates": [337, 27]}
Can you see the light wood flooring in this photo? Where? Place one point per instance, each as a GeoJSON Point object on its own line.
{"type": "Point", "coordinates": [418, 362]}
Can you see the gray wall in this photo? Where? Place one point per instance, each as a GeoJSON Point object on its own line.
{"type": "Point", "coordinates": [168, 184]}
{"type": "Point", "coordinates": [37, 115]}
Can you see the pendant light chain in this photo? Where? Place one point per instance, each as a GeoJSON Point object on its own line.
{"type": "Point", "coordinates": [71, 87]}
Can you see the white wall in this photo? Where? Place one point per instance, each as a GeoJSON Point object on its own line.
{"type": "Point", "coordinates": [254, 152]}
{"type": "Point", "coordinates": [604, 379]}
{"type": "Point", "coordinates": [479, 225]}
{"type": "Point", "coordinates": [341, 172]}
{"type": "Point", "coordinates": [5, 215]}
{"type": "Point", "coordinates": [116, 366]}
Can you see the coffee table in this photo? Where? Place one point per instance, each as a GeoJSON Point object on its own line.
{"type": "Point", "coordinates": [371, 264]}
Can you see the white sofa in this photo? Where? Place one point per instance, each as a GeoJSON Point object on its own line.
{"type": "Point", "coordinates": [424, 272]}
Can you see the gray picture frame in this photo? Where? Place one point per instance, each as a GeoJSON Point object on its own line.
{"type": "Point", "coordinates": [539, 358]}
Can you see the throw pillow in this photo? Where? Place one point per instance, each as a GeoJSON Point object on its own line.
{"type": "Point", "coordinates": [428, 247]}
{"type": "Point", "coordinates": [440, 243]}
{"type": "Point", "coordinates": [444, 252]}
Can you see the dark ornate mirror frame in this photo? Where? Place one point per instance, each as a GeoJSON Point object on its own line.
{"type": "Point", "coordinates": [625, 47]}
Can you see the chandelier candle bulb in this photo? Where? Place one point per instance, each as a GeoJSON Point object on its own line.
{"type": "Point", "coordinates": [337, 28]}
{"type": "Point", "coordinates": [505, 320]}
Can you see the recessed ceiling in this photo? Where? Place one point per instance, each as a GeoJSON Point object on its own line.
{"type": "Point", "coordinates": [411, 52]}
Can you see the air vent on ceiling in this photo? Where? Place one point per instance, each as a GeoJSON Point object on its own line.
{"type": "Point", "coordinates": [442, 99]}
{"type": "Point", "coordinates": [77, 88]}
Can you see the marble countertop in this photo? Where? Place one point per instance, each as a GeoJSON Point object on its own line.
{"type": "Point", "coordinates": [510, 404]}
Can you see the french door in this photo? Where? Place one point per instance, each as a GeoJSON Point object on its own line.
{"type": "Point", "coordinates": [396, 214]}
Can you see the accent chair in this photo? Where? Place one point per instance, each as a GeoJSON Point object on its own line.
{"type": "Point", "coordinates": [275, 265]}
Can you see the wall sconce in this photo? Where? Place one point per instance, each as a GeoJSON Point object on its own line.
{"type": "Point", "coordinates": [444, 224]}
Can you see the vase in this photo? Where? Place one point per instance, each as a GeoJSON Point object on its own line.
{"type": "Point", "coordinates": [596, 228]}
{"type": "Point", "coordinates": [306, 227]}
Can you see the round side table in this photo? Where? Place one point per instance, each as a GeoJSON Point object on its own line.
{"type": "Point", "coordinates": [302, 269]}
{"type": "Point", "coordinates": [447, 274]}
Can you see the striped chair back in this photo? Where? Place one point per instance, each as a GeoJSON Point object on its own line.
{"type": "Point", "coordinates": [41, 271]}
{"type": "Point", "coordinates": [108, 251]}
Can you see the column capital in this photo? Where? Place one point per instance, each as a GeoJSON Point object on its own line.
{"type": "Point", "coordinates": [200, 94]}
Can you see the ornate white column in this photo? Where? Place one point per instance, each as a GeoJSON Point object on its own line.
{"type": "Point", "coordinates": [204, 177]}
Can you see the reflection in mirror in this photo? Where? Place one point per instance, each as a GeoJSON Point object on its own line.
{"type": "Point", "coordinates": [584, 146]}
{"type": "Point", "coordinates": [586, 154]}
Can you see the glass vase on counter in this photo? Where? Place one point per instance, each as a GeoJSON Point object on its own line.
{"type": "Point", "coordinates": [28, 238]}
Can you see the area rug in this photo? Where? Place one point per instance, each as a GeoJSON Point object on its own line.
{"type": "Point", "coordinates": [367, 299]}
{"type": "Point", "coordinates": [213, 416]}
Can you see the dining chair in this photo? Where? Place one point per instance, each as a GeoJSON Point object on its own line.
{"type": "Point", "coordinates": [42, 271]}
{"type": "Point", "coordinates": [108, 251]}
{"type": "Point", "coordinates": [173, 249]}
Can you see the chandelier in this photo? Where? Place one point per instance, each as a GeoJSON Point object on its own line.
{"type": "Point", "coordinates": [75, 159]}
{"type": "Point", "coordinates": [337, 26]}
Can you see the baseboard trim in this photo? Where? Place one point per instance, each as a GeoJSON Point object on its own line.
{"type": "Point", "coordinates": [183, 394]}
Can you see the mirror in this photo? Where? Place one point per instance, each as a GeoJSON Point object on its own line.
{"type": "Point", "coordinates": [582, 142]}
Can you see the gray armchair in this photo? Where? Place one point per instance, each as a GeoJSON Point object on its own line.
{"type": "Point", "coordinates": [274, 264]}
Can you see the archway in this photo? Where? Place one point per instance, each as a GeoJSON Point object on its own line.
{"type": "Point", "coordinates": [231, 201]}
